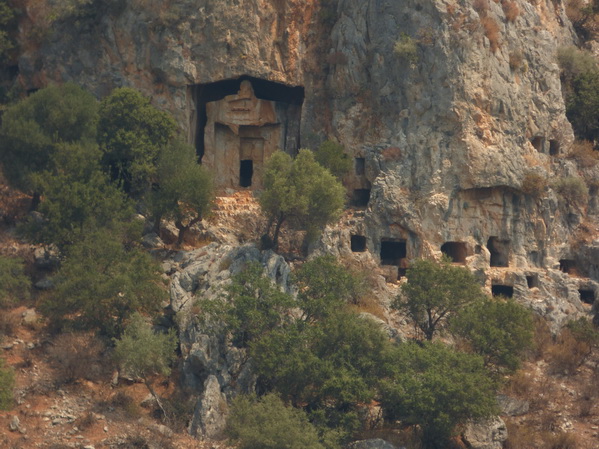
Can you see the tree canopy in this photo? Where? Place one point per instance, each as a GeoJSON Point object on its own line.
{"type": "Point", "coordinates": [301, 192]}
{"type": "Point", "coordinates": [434, 291]}
{"type": "Point", "coordinates": [331, 155]}
{"type": "Point", "coordinates": [14, 284]}
{"type": "Point", "coordinates": [131, 133]}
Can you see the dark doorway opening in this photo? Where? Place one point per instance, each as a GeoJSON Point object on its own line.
{"type": "Point", "coordinates": [360, 197]}
{"type": "Point", "coordinates": [567, 266]}
{"type": "Point", "coordinates": [360, 166]}
{"type": "Point", "coordinates": [401, 272]}
{"type": "Point", "coordinates": [539, 143]}
{"type": "Point", "coordinates": [358, 243]}
{"type": "Point", "coordinates": [500, 252]}
{"type": "Point", "coordinates": [587, 296]}
{"type": "Point", "coordinates": [502, 290]}
{"type": "Point", "coordinates": [554, 147]}
{"type": "Point", "coordinates": [263, 89]}
{"type": "Point", "coordinates": [532, 280]}
{"type": "Point", "coordinates": [456, 251]}
{"type": "Point", "coordinates": [246, 171]}
{"type": "Point", "coordinates": [392, 251]}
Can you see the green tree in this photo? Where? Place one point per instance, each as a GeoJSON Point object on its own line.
{"type": "Point", "coordinates": [325, 286]}
{"type": "Point", "coordinates": [252, 305]}
{"type": "Point", "coordinates": [7, 22]}
{"type": "Point", "coordinates": [434, 292]}
{"type": "Point", "coordinates": [329, 366]}
{"type": "Point", "coordinates": [131, 133]}
{"type": "Point", "coordinates": [32, 129]}
{"type": "Point", "coordinates": [498, 329]}
{"type": "Point", "coordinates": [102, 283]}
{"type": "Point", "coordinates": [7, 383]}
{"type": "Point", "coordinates": [143, 353]}
{"type": "Point", "coordinates": [300, 191]}
{"type": "Point", "coordinates": [185, 192]}
{"type": "Point", "coordinates": [583, 105]}
{"type": "Point", "coordinates": [14, 284]}
{"type": "Point", "coordinates": [437, 388]}
{"type": "Point", "coordinates": [266, 423]}
{"type": "Point", "coordinates": [77, 198]}
{"type": "Point", "coordinates": [331, 155]}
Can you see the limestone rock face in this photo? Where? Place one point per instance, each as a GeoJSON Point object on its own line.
{"type": "Point", "coordinates": [485, 434]}
{"type": "Point", "coordinates": [209, 418]}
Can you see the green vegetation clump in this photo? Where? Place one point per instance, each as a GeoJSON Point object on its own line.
{"type": "Point", "coordinates": [331, 155]}
{"type": "Point", "coordinates": [434, 292]}
{"type": "Point", "coordinates": [533, 184]}
{"type": "Point", "coordinates": [572, 190]}
{"type": "Point", "coordinates": [131, 134]}
{"type": "Point", "coordinates": [102, 283]}
{"type": "Point", "coordinates": [498, 329]}
{"type": "Point", "coordinates": [14, 284]}
{"type": "Point", "coordinates": [406, 48]}
{"type": "Point", "coordinates": [7, 383]}
{"type": "Point", "coordinates": [437, 388]}
{"type": "Point", "coordinates": [300, 192]}
{"type": "Point", "coordinates": [7, 23]}
{"type": "Point", "coordinates": [267, 423]}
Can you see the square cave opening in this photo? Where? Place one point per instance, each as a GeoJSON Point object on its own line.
{"type": "Point", "coordinates": [500, 251]}
{"type": "Point", "coordinates": [360, 197]}
{"type": "Point", "coordinates": [567, 266]}
{"type": "Point", "coordinates": [554, 147]}
{"type": "Point", "coordinates": [360, 166]}
{"type": "Point", "coordinates": [243, 119]}
{"type": "Point", "coordinates": [393, 251]}
{"type": "Point", "coordinates": [532, 280]}
{"type": "Point", "coordinates": [538, 142]}
{"type": "Point", "coordinates": [587, 296]}
{"type": "Point", "coordinates": [358, 243]}
{"type": "Point", "coordinates": [502, 290]}
{"type": "Point", "coordinates": [456, 251]}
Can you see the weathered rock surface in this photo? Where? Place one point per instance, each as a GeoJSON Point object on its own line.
{"type": "Point", "coordinates": [375, 443]}
{"type": "Point", "coordinates": [512, 406]}
{"type": "Point", "coordinates": [209, 418]}
{"type": "Point", "coordinates": [485, 434]}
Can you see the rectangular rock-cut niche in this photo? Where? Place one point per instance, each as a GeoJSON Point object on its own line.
{"type": "Point", "coordinates": [456, 251]}
{"type": "Point", "coordinates": [393, 251]}
{"type": "Point", "coordinates": [567, 266]}
{"type": "Point", "coordinates": [500, 252]}
{"type": "Point", "coordinates": [360, 166]}
{"type": "Point", "coordinates": [538, 142]}
{"type": "Point", "coordinates": [532, 280]}
{"type": "Point", "coordinates": [237, 124]}
{"type": "Point", "coordinates": [554, 147]}
{"type": "Point", "coordinates": [502, 290]}
{"type": "Point", "coordinates": [587, 296]}
{"type": "Point", "coordinates": [360, 197]}
{"type": "Point", "coordinates": [358, 243]}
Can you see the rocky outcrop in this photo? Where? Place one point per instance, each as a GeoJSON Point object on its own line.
{"type": "Point", "coordinates": [485, 434]}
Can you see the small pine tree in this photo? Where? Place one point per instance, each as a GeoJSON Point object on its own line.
{"type": "Point", "coordinates": [14, 284]}
{"type": "Point", "coordinates": [7, 382]}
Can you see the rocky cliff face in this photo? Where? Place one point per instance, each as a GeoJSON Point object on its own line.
{"type": "Point", "coordinates": [443, 138]}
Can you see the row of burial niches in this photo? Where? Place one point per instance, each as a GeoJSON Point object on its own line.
{"type": "Point", "coordinates": [239, 123]}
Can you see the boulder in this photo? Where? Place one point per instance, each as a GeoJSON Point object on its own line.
{"type": "Point", "coordinates": [485, 433]}
{"type": "Point", "coordinates": [210, 416]}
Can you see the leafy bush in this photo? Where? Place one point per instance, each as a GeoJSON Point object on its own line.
{"type": "Point", "coordinates": [533, 184]}
{"type": "Point", "coordinates": [300, 191]}
{"type": "Point", "coordinates": [500, 330]}
{"type": "Point", "coordinates": [437, 388]}
{"type": "Point", "coordinates": [7, 383]}
{"type": "Point", "coordinates": [331, 155]}
{"type": "Point", "coordinates": [434, 292]}
{"type": "Point", "coordinates": [572, 190]}
{"type": "Point", "coordinates": [266, 423]}
{"type": "Point", "coordinates": [510, 9]}
{"type": "Point", "coordinates": [7, 22]}
{"type": "Point", "coordinates": [405, 47]}
{"type": "Point", "coordinates": [102, 283]}
{"type": "Point", "coordinates": [14, 284]}
{"type": "Point", "coordinates": [583, 105]}
{"type": "Point", "coordinates": [492, 32]}
{"type": "Point", "coordinates": [131, 133]}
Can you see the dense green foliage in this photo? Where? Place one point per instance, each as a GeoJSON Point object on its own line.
{"type": "Point", "coordinates": [437, 388]}
{"type": "Point", "coordinates": [331, 155]}
{"type": "Point", "coordinates": [131, 133]}
{"type": "Point", "coordinates": [102, 283]}
{"type": "Point", "coordinates": [14, 284]}
{"type": "Point", "coordinates": [253, 307]}
{"type": "Point", "coordinates": [33, 128]}
{"type": "Point", "coordinates": [300, 191]}
{"type": "Point", "coordinates": [498, 329]}
{"type": "Point", "coordinates": [185, 190]}
{"type": "Point", "coordinates": [7, 383]}
{"type": "Point", "coordinates": [266, 423]}
{"type": "Point", "coordinates": [325, 286]}
{"type": "Point", "coordinates": [7, 22]}
{"type": "Point", "coordinates": [435, 291]}
{"type": "Point", "coordinates": [143, 353]}
{"type": "Point", "coordinates": [572, 190]}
